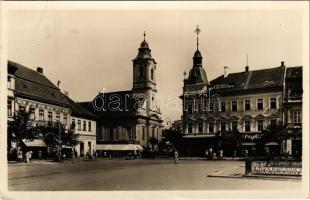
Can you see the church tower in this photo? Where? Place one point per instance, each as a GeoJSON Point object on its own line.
{"type": "Point", "coordinates": [144, 76]}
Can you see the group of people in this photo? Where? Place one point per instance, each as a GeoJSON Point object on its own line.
{"type": "Point", "coordinates": [214, 155]}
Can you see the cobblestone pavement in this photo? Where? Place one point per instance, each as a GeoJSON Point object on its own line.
{"type": "Point", "coordinates": [141, 174]}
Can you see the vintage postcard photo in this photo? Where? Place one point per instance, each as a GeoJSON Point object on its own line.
{"type": "Point", "coordinates": [154, 99]}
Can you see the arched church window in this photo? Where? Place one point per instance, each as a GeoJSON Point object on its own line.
{"type": "Point", "coordinates": [140, 72]}
{"type": "Point", "coordinates": [152, 74]}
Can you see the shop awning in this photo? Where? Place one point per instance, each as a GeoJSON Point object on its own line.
{"type": "Point", "coordinates": [118, 147]}
{"type": "Point", "coordinates": [271, 144]}
{"type": "Point", "coordinates": [248, 144]}
{"type": "Point", "coordinates": [34, 143]}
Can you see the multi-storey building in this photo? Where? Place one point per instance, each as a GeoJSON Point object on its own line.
{"type": "Point", "coordinates": [246, 102]}
{"type": "Point", "coordinates": [85, 126]}
{"type": "Point", "coordinates": [33, 92]}
{"type": "Point", "coordinates": [130, 117]}
{"type": "Point", "coordinates": [46, 104]}
{"type": "Point", "coordinates": [293, 111]}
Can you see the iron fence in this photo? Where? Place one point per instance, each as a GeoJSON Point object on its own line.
{"type": "Point", "coordinates": [283, 168]}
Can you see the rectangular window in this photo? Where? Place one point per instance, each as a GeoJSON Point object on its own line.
{"type": "Point", "coordinates": [190, 128]}
{"type": "Point", "coordinates": [234, 125]}
{"type": "Point", "coordinates": [200, 128]}
{"type": "Point", "coordinates": [32, 113]}
{"type": "Point", "coordinates": [223, 126]}
{"type": "Point", "coordinates": [73, 123]}
{"type": "Point", "coordinates": [89, 126]}
{"type": "Point", "coordinates": [79, 125]}
{"type": "Point", "coordinates": [296, 116]}
{"type": "Point", "coordinates": [50, 116]}
{"type": "Point", "coordinates": [211, 127]}
{"type": "Point", "coordinates": [247, 125]}
{"type": "Point", "coordinates": [9, 82]}
{"type": "Point", "coordinates": [143, 133]}
{"type": "Point", "coordinates": [211, 107]}
{"type": "Point", "coordinates": [84, 125]}
{"type": "Point", "coordinates": [234, 106]}
{"type": "Point", "coordinates": [247, 105]}
{"type": "Point", "coordinates": [190, 109]}
{"type": "Point", "coordinates": [273, 103]}
{"type": "Point", "coordinates": [65, 118]}
{"type": "Point", "coordinates": [41, 115]}
{"type": "Point", "coordinates": [223, 106]}
{"type": "Point", "coordinates": [260, 104]}
{"type": "Point", "coordinates": [260, 125]}
{"type": "Point", "coordinates": [10, 108]}
{"type": "Point", "coordinates": [199, 108]}
{"type": "Point", "coordinates": [57, 117]}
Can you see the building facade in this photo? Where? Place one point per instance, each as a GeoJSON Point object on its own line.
{"type": "Point", "coordinates": [84, 124]}
{"type": "Point", "coordinates": [133, 116]}
{"type": "Point", "coordinates": [33, 92]}
{"type": "Point", "coordinates": [246, 102]}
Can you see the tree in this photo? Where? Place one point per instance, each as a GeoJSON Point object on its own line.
{"type": "Point", "coordinates": [55, 135]}
{"type": "Point", "coordinates": [19, 128]}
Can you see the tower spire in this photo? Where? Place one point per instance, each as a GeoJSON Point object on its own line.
{"type": "Point", "coordinates": [197, 31]}
{"type": "Point", "coordinates": [144, 34]}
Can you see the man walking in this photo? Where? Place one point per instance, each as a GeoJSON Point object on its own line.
{"type": "Point", "coordinates": [176, 157]}
{"type": "Point", "coordinates": [28, 155]}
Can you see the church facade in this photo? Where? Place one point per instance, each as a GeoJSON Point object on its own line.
{"type": "Point", "coordinates": [130, 117]}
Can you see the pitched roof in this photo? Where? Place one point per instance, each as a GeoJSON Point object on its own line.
{"type": "Point", "coordinates": [257, 79]}
{"type": "Point", "coordinates": [113, 104]}
{"type": "Point", "coordinates": [34, 85]}
{"type": "Point", "coordinates": [78, 110]}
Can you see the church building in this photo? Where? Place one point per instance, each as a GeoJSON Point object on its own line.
{"type": "Point", "coordinates": [130, 120]}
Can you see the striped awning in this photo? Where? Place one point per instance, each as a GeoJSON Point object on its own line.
{"type": "Point", "coordinates": [34, 143]}
{"type": "Point", "coordinates": [119, 147]}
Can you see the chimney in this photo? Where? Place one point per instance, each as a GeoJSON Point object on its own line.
{"type": "Point", "coordinates": [40, 70]}
{"type": "Point", "coordinates": [246, 68]}
{"type": "Point", "coordinates": [66, 93]}
{"type": "Point", "coordinates": [282, 64]}
{"type": "Point", "coordinates": [59, 85]}
{"type": "Point", "coordinates": [226, 71]}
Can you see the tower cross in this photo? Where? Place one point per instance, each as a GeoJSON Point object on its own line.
{"type": "Point", "coordinates": [197, 31]}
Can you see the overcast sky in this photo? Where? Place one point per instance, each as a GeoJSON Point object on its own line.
{"type": "Point", "coordinates": [92, 50]}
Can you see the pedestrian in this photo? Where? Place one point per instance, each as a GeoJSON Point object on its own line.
{"type": "Point", "coordinates": [211, 153]}
{"type": "Point", "coordinates": [94, 155]}
{"type": "Point", "coordinates": [221, 154]}
{"type": "Point", "coordinates": [207, 154]}
{"type": "Point", "coordinates": [214, 156]}
{"type": "Point", "coordinates": [105, 155]}
{"type": "Point", "coordinates": [176, 157]}
{"type": "Point", "coordinates": [135, 154]}
{"type": "Point", "coordinates": [246, 152]}
{"type": "Point", "coordinates": [28, 155]}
